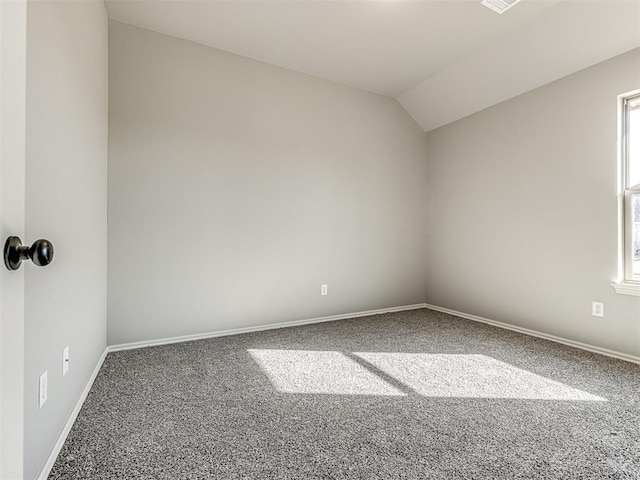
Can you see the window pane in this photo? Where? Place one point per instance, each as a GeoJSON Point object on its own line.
{"type": "Point", "coordinates": [635, 236]}
{"type": "Point", "coordinates": [633, 132]}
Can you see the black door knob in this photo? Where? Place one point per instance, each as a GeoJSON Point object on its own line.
{"type": "Point", "coordinates": [40, 253]}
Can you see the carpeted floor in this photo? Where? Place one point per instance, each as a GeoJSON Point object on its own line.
{"type": "Point", "coordinates": [416, 394]}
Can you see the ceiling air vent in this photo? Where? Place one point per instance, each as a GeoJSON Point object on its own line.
{"type": "Point", "coordinates": [499, 6]}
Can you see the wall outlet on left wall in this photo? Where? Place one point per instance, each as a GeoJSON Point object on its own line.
{"type": "Point", "coordinates": [42, 389]}
{"type": "Point", "coordinates": [65, 360]}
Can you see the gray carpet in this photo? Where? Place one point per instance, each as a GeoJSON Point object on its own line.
{"type": "Point", "coordinates": [416, 394]}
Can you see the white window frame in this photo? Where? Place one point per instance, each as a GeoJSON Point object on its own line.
{"type": "Point", "coordinates": [627, 284]}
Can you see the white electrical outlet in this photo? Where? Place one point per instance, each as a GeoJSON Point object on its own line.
{"type": "Point", "coordinates": [323, 289]}
{"type": "Point", "coordinates": [65, 360]}
{"type": "Point", "coordinates": [42, 390]}
{"type": "Point", "coordinates": [597, 309]}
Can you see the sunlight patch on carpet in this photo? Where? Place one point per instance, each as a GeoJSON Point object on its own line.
{"type": "Point", "coordinates": [319, 372]}
{"type": "Point", "coordinates": [429, 375]}
{"type": "Point", "coordinates": [470, 376]}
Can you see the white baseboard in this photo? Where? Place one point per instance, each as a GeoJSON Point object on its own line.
{"type": "Point", "coordinates": [46, 469]}
{"type": "Point", "coordinates": [259, 328]}
{"type": "Point", "coordinates": [533, 333]}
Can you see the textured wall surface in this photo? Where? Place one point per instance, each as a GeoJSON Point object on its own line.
{"type": "Point", "coordinates": [237, 188]}
{"type": "Point", "coordinates": [66, 202]}
{"type": "Point", "coordinates": [522, 210]}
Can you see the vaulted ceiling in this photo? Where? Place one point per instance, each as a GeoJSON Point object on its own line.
{"type": "Point", "coordinates": [442, 59]}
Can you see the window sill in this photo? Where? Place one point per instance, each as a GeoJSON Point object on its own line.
{"type": "Point", "coordinates": [627, 288]}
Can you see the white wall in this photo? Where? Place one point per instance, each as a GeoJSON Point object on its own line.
{"type": "Point", "coordinates": [236, 188]}
{"type": "Point", "coordinates": [67, 108]}
{"type": "Point", "coordinates": [522, 210]}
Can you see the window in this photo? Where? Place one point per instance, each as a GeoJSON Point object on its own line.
{"type": "Point", "coordinates": [630, 195]}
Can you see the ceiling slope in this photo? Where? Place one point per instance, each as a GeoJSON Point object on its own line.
{"type": "Point", "coordinates": [568, 38]}
{"type": "Point", "coordinates": [442, 59]}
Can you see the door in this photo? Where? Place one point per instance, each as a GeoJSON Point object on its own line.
{"type": "Point", "coordinates": [12, 211]}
